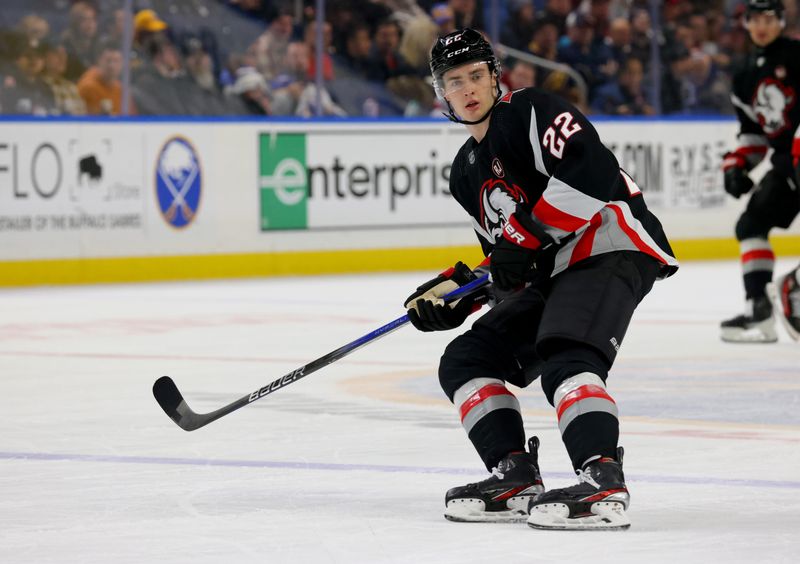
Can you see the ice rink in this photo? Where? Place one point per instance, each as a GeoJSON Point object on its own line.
{"type": "Point", "coordinates": [350, 464]}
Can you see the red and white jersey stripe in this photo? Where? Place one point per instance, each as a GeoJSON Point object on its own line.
{"type": "Point", "coordinates": [479, 397]}
{"type": "Point", "coordinates": [581, 394]}
{"type": "Point", "coordinates": [756, 254]}
{"type": "Point", "coordinates": [601, 227]}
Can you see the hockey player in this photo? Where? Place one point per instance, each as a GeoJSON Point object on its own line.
{"type": "Point", "coordinates": [785, 297]}
{"type": "Point", "coordinates": [572, 249]}
{"type": "Point", "coordinates": [765, 92]}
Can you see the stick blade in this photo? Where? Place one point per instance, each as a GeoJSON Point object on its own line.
{"type": "Point", "coordinates": [171, 401]}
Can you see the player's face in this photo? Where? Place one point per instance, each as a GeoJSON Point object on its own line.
{"type": "Point", "coordinates": [470, 89]}
{"type": "Point", "coordinates": [764, 28]}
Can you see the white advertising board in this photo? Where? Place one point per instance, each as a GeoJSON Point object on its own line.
{"type": "Point", "coordinates": [95, 189]}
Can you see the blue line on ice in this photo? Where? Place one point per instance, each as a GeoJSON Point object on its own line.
{"type": "Point", "coordinates": [699, 480]}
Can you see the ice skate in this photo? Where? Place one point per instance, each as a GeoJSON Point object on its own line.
{"type": "Point", "coordinates": [598, 501]}
{"type": "Point", "coordinates": [503, 497]}
{"type": "Point", "coordinates": [756, 325]}
{"type": "Point", "coordinates": [784, 294]}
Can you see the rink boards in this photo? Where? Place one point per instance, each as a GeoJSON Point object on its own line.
{"type": "Point", "coordinates": [104, 201]}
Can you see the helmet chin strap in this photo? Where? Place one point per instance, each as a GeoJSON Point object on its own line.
{"type": "Point", "coordinates": [454, 118]}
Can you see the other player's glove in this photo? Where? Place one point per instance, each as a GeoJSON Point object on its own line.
{"type": "Point", "coordinates": [515, 258]}
{"type": "Point", "coordinates": [428, 312]}
{"type": "Point", "coordinates": [734, 168]}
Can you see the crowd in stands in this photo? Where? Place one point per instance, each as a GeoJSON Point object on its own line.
{"type": "Point", "coordinates": [257, 57]}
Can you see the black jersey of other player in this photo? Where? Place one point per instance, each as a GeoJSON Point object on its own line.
{"type": "Point", "coordinates": [765, 91]}
{"type": "Point", "coordinates": [542, 154]}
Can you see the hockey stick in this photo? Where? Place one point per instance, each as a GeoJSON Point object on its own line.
{"type": "Point", "coordinates": [171, 401]}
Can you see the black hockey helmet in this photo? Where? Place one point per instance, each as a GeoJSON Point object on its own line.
{"type": "Point", "coordinates": [758, 6]}
{"type": "Point", "coordinates": [458, 48]}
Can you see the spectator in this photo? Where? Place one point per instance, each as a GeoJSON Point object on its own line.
{"type": "Point", "coordinates": [467, 14]}
{"type": "Point", "coordinates": [251, 89]}
{"type": "Point", "coordinates": [149, 31]}
{"type": "Point", "coordinates": [545, 45]}
{"type": "Point", "coordinates": [520, 74]}
{"type": "Point", "coordinates": [68, 100]}
{"type": "Point", "coordinates": [518, 31]}
{"type": "Point", "coordinates": [697, 74]}
{"type": "Point", "coordinates": [115, 29]}
{"type": "Point", "coordinates": [198, 64]}
{"type": "Point", "coordinates": [557, 11]}
{"type": "Point", "coordinates": [147, 27]}
{"type": "Point", "coordinates": [24, 92]}
{"type": "Point", "coordinates": [599, 12]}
{"type": "Point", "coordinates": [625, 96]}
{"type": "Point", "coordinates": [293, 96]}
{"type": "Point", "coordinates": [385, 60]}
{"type": "Point", "coordinates": [310, 39]}
{"type": "Point", "coordinates": [159, 84]}
{"type": "Point", "coordinates": [619, 40]}
{"type": "Point", "coordinates": [443, 16]}
{"type": "Point", "coordinates": [270, 47]}
{"type": "Point", "coordinates": [545, 39]}
{"type": "Point", "coordinates": [642, 36]}
{"type": "Point", "coordinates": [589, 57]}
{"type": "Point", "coordinates": [388, 66]}
{"type": "Point", "coordinates": [734, 41]}
{"type": "Point", "coordinates": [415, 45]}
{"type": "Point", "coordinates": [235, 61]}
{"type": "Point", "coordinates": [100, 86]}
{"type": "Point", "coordinates": [354, 61]}
{"type": "Point", "coordinates": [80, 39]}
{"type": "Point", "coordinates": [35, 28]}
{"type": "Point", "coordinates": [701, 26]}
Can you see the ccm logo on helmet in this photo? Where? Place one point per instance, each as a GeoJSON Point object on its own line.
{"type": "Point", "coordinates": [457, 52]}
{"type": "Point", "coordinates": [449, 40]}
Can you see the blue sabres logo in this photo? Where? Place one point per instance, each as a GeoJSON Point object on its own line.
{"type": "Point", "coordinates": [178, 182]}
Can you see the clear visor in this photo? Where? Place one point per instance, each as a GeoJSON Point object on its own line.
{"type": "Point", "coordinates": [473, 74]}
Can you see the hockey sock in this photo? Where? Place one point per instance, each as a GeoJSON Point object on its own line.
{"type": "Point", "coordinates": [758, 262]}
{"type": "Point", "coordinates": [587, 418]}
{"type": "Point", "coordinates": [490, 414]}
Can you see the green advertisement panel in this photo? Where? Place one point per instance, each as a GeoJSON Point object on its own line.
{"type": "Point", "coordinates": [283, 181]}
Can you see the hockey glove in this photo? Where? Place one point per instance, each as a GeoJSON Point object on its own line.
{"type": "Point", "coordinates": [515, 258]}
{"type": "Point", "coordinates": [737, 181]}
{"type": "Point", "coordinates": [428, 312]}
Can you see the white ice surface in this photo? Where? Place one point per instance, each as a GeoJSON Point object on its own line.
{"type": "Point", "coordinates": [351, 463]}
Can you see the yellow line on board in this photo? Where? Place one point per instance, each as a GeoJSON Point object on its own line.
{"type": "Point", "coordinates": [297, 263]}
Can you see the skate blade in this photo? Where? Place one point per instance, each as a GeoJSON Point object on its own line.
{"type": "Point", "coordinates": [763, 332]}
{"type": "Point", "coordinates": [772, 294]}
{"type": "Point", "coordinates": [473, 511]}
{"type": "Point", "coordinates": [606, 515]}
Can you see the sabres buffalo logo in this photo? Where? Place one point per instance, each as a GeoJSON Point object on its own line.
{"type": "Point", "coordinates": [772, 102]}
{"type": "Point", "coordinates": [498, 202]}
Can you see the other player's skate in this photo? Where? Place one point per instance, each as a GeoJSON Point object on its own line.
{"type": "Point", "coordinates": [785, 296]}
{"type": "Point", "coordinates": [756, 325]}
{"type": "Point", "coordinates": [503, 497]}
{"type": "Point", "coordinates": [598, 501]}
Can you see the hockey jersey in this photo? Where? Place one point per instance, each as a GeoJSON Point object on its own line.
{"type": "Point", "coordinates": [541, 154]}
{"type": "Point", "coordinates": [765, 90]}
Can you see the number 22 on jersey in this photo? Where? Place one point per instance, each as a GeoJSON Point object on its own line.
{"type": "Point", "coordinates": [555, 137]}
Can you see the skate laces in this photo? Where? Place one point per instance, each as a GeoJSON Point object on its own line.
{"type": "Point", "coordinates": [497, 473]}
{"type": "Point", "coordinates": [586, 476]}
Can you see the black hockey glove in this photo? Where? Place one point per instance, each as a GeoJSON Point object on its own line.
{"type": "Point", "coordinates": [737, 181]}
{"type": "Point", "coordinates": [519, 257]}
{"type": "Point", "coordinates": [428, 312]}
